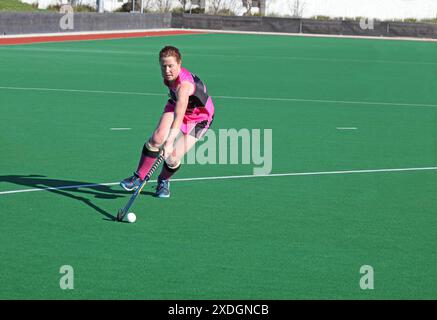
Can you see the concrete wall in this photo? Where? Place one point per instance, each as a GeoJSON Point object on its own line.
{"type": "Point", "coordinates": [26, 22]}
{"type": "Point", "coordinates": [290, 25]}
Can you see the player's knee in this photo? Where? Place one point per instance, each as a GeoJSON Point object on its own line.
{"type": "Point", "coordinates": [153, 145]}
{"type": "Point", "coordinates": [157, 139]}
{"type": "Point", "coordinates": [172, 162]}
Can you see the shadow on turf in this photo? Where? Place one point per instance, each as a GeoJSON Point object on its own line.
{"type": "Point", "coordinates": [96, 190]}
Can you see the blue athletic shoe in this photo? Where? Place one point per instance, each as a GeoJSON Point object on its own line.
{"type": "Point", "coordinates": [163, 189]}
{"type": "Point", "coordinates": [131, 183]}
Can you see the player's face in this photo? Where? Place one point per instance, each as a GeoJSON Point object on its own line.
{"type": "Point", "coordinates": [170, 68]}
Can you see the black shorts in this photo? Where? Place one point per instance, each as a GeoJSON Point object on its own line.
{"type": "Point", "coordinates": [201, 128]}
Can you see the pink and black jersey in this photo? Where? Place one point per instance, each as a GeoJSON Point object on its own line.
{"type": "Point", "coordinates": [198, 100]}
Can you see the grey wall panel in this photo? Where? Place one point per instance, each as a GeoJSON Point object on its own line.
{"type": "Point", "coordinates": [28, 22]}
{"type": "Point", "coordinates": [40, 22]}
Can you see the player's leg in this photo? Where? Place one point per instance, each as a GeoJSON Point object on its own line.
{"type": "Point", "coordinates": [173, 163]}
{"type": "Point", "coordinates": [152, 147]}
{"type": "Point", "coordinates": [150, 151]}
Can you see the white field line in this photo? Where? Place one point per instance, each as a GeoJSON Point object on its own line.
{"type": "Point", "coordinates": [245, 57]}
{"type": "Point", "coordinates": [234, 177]}
{"type": "Point", "coordinates": [84, 91]}
{"type": "Point", "coordinates": [315, 35]}
{"type": "Point", "coordinates": [221, 31]}
{"type": "Point", "coordinates": [60, 34]}
{"type": "Point", "coordinates": [225, 97]}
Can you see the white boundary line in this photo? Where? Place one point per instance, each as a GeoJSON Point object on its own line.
{"type": "Point", "coordinates": [270, 57]}
{"type": "Point", "coordinates": [86, 91]}
{"type": "Point", "coordinates": [330, 101]}
{"type": "Point", "coordinates": [80, 33]}
{"type": "Point", "coordinates": [235, 177]}
{"type": "Point", "coordinates": [314, 35]}
{"type": "Point", "coordinates": [219, 31]}
{"type": "Point", "coordinates": [228, 97]}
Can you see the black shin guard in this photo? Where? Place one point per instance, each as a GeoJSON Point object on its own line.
{"type": "Point", "coordinates": [149, 153]}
